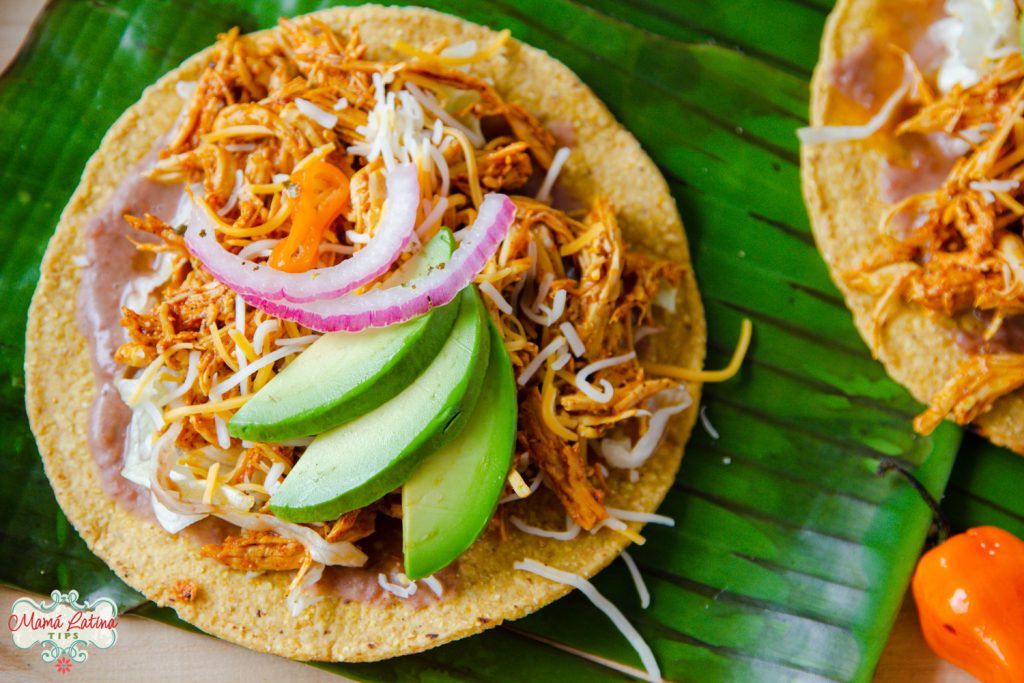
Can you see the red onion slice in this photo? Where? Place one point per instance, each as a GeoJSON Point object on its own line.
{"type": "Point", "coordinates": [382, 307]}
{"type": "Point", "coordinates": [260, 281]}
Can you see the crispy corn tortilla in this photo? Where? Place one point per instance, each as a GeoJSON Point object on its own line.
{"type": "Point", "coordinates": [606, 160]}
{"type": "Point", "coordinates": [843, 195]}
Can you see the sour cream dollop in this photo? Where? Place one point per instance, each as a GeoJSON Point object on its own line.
{"type": "Point", "coordinates": [975, 33]}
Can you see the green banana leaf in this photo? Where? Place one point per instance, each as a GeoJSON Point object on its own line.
{"type": "Point", "coordinates": [791, 555]}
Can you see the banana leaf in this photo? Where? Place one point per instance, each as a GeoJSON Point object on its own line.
{"type": "Point", "coordinates": [791, 554]}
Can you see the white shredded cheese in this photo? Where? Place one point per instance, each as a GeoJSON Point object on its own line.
{"type": "Point", "coordinates": [637, 516]}
{"type": "Point", "coordinates": [258, 249]}
{"type": "Point", "coordinates": [223, 438]}
{"type": "Point", "coordinates": [428, 102]}
{"type": "Point", "coordinates": [603, 604]}
{"type": "Point", "coordinates": [557, 307]}
{"type": "Point", "coordinates": [297, 341]}
{"type": "Point", "coordinates": [311, 111]}
{"type": "Point", "coordinates": [434, 585]}
{"type": "Point", "coordinates": [974, 34]}
{"type": "Point", "coordinates": [544, 193]}
{"type": "Point", "coordinates": [641, 587]}
{"type": "Point", "coordinates": [302, 596]}
{"type": "Point", "coordinates": [534, 365]}
{"type": "Point", "coordinates": [573, 337]}
{"type": "Point", "coordinates": [259, 337]}
{"type": "Point", "coordinates": [252, 368]}
{"type": "Point", "coordinates": [534, 485]}
{"type": "Point", "coordinates": [994, 185]}
{"type": "Point", "coordinates": [342, 103]}
{"type": "Point", "coordinates": [572, 529]}
{"type": "Point", "coordinates": [617, 452]}
{"type": "Point", "coordinates": [494, 295]}
{"type": "Point", "coordinates": [708, 427]}
{"type": "Point", "coordinates": [822, 134]}
{"type": "Point", "coordinates": [397, 589]}
{"type": "Point", "coordinates": [272, 482]}
{"type": "Point", "coordinates": [607, 391]}
{"type": "Point", "coordinates": [190, 378]}
{"type": "Point", "coordinates": [431, 219]}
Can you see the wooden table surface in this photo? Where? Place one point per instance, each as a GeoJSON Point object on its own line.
{"type": "Point", "coordinates": [156, 653]}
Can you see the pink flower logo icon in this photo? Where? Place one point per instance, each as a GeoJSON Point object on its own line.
{"type": "Point", "coordinates": [63, 665]}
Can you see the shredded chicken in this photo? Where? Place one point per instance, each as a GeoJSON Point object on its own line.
{"type": "Point", "coordinates": [241, 137]}
{"type": "Point", "coordinates": [261, 551]}
{"type": "Point", "coordinates": [957, 251]}
{"type": "Point", "coordinates": [561, 463]}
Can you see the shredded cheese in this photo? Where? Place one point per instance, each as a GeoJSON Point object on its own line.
{"type": "Point", "coordinates": [638, 580]}
{"type": "Point", "coordinates": [247, 131]}
{"type": "Point", "coordinates": [434, 585]}
{"type": "Point", "coordinates": [637, 516]}
{"type": "Point", "coordinates": [544, 193]}
{"type": "Point", "coordinates": [398, 590]}
{"type": "Point", "coordinates": [211, 482]}
{"type": "Point", "coordinates": [495, 296]}
{"type": "Point", "coordinates": [311, 111]}
{"type": "Point", "coordinates": [617, 453]}
{"type": "Point", "coordinates": [547, 397]}
{"type": "Point", "coordinates": [726, 373]}
{"type": "Point", "coordinates": [602, 603]}
{"type": "Point", "coordinates": [607, 390]}
{"type": "Point", "coordinates": [534, 365]}
{"type": "Point", "coordinates": [573, 337]}
{"type": "Point", "coordinates": [206, 408]}
{"type": "Point", "coordinates": [708, 427]}
{"type": "Point", "coordinates": [572, 529]}
{"type": "Point", "coordinates": [823, 134]}
{"type": "Point", "coordinates": [470, 155]}
{"type": "Point", "coordinates": [450, 60]}
{"type": "Point", "coordinates": [515, 480]}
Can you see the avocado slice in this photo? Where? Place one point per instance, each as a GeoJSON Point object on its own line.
{"type": "Point", "coordinates": [344, 375]}
{"type": "Point", "coordinates": [357, 463]}
{"type": "Point", "coordinates": [450, 497]}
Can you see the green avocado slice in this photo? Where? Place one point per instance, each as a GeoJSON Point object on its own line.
{"type": "Point", "coordinates": [357, 463]}
{"type": "Point", "coordinates": [450, 497]}
{"type": "Point", "coordinates": [344, 375]}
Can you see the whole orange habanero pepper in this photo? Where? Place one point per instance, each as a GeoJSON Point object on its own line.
{"type": "Point", "coordinates": [322, 196]}
{"type": "Point", "coordinates": [970, 600]}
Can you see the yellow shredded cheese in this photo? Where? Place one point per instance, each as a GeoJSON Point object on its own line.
{"type": "Point", "coordinates": [515, 480]}
{"type": "Point", "coordinates": [547, 398]}
{"type": "Point", "coordinates": [451, 60]}
{"type": "Point", "coordinates": [204, 408]}
{"type": "Point", "coordinates": [581, 241]}
{"type": "Point", "coordinates": [266, 188]}
{"type": "Point", "coordinates": [317, 154]}
{"type": "Point", "coordinates": [243, 343]}
{"type": "Point", "coordinates": [248, 131]}
{"type": "Point", "coordinates": [211, 483]}
{"type": "Point", "coordinates": [1011, 203]}
{"type": "Point", "coordinates": [728, 372]}
{"type": "Point", "coordinates": [470, 154]}
{"type": "Point", "coordinates": [147, 376]}
{"type": "Point", "coordinates": [218, 345]}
